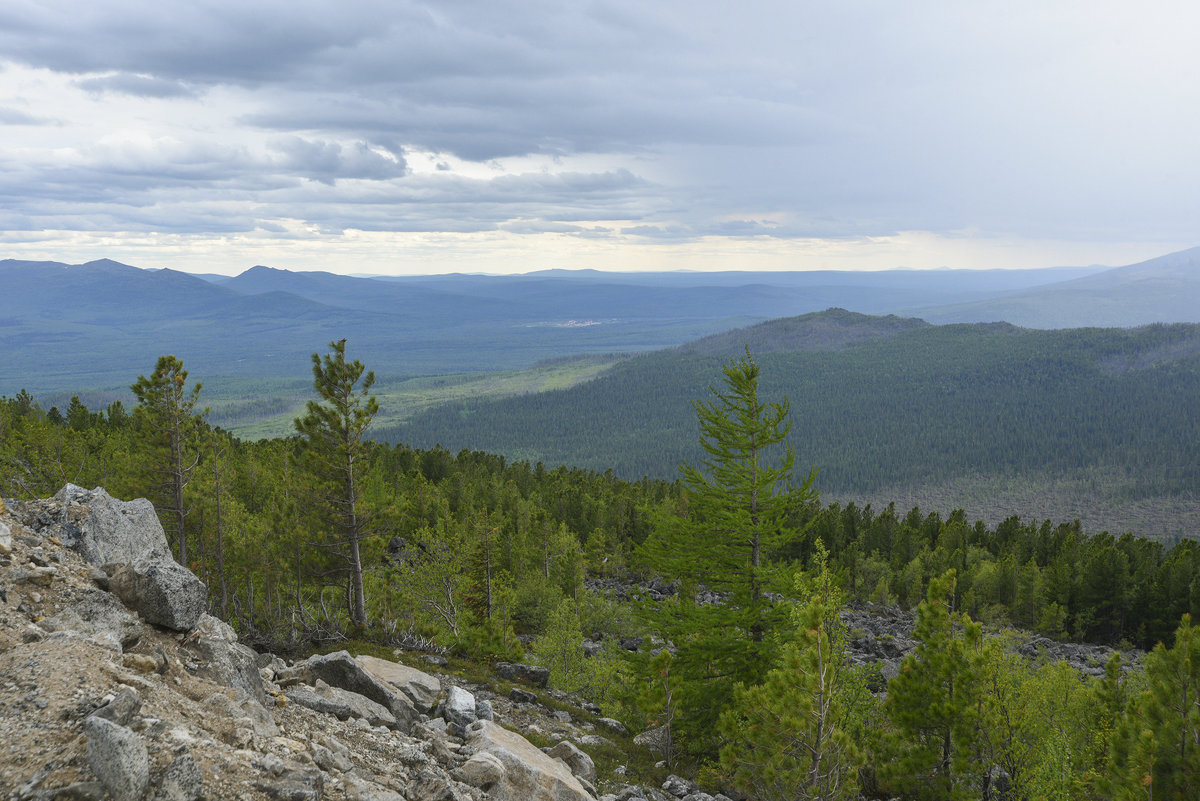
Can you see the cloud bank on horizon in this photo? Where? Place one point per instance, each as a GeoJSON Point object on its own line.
{"type": "Point", "coordinates": [392, 136]}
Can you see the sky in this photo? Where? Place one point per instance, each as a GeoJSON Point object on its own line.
{"type": "Point", "coordinates": [394, 137]}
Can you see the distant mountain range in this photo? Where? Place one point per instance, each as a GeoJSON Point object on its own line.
{"type": "Point", "coordinates": [1165, 289]}
{"type": "Point", "coordinates": [72, 327]}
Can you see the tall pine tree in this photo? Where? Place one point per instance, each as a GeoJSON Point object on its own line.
{"type": "Point", "coordinates": [335, 431]}
{"type": "Point", "coordinates": [169, 427]}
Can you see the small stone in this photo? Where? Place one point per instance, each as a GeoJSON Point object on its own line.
{"type": "Point", "coordinates": [459, 707]}
{"type": "Point", "coordinates": [519, 696]}
{"type": "Point", "coordinates": [122, 708]}
{"type": "Point", "coordinates": [140, 662]}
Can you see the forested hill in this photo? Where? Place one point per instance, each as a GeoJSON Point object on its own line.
{"type": "Point", "coordinates": [1099, 424]}
{"type": "Point", "coordinates": [832, 329]}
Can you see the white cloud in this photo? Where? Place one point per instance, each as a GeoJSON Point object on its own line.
{"type": "Point", "coordinates": [679, 124]}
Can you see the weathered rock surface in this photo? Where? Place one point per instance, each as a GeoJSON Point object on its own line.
{"type": "Point", "coordinates": [340, 670]}
{"type": "Point", "coordinates": [342, 704]}
{"type": "Point", "coordinates": [162, 592]}
{"type": "Point", "coordinates": [421, 688]}
{"type": "Point", "coordinates": [580, 763]}
{"type": "Point", "coordinates": [515, 671]}
{"type": "Point", "coordinates": [121, 708]}
{"type": "Point", "coordinates": [181, 781]}
{"type": "Point", "coordinates": [97, 614]}
{"type": "Point", "coordinates": [221, 658]}
{"type": "Point", "coordinates": [118, 758]}
{"type": "Point", "coordinates": [482, 770]}
{"type": "Point", "coordinates": [529, 774]}
{"type": "Point", "coordinates": [107, 531]}
{"type": "Point", "coordinates": [460, 706]}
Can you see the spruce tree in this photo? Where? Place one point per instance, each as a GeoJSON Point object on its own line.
{"type": "Point", "coordinates": [738, 503]}
{"type": "Point", "coordinates": [335, 431]}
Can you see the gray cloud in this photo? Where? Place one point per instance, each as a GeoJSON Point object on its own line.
{"type": "Point", "coordinates": [675, 119]}
{"type": "Point", "coordinates": [133, 84]}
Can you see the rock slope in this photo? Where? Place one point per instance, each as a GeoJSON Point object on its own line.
{"type": "Point", "coordinates": [115, 683]}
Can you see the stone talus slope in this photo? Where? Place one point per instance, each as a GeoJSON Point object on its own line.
{"type": "Point", "coordinates": [115, 683]}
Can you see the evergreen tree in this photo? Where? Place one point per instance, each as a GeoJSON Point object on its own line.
{"type": "Point", "coordinates": [936, 705]}
{"type": "Point", "coordinates": [738, 507]}
{"type": "Point", "coordinates": [786, 739]}
{"type": "Point", "coordinates": [335, 431]}
{"type": "Point", "coordinates": [1156, 752]}
{"type": "Point", "coordinates": [170, 427]}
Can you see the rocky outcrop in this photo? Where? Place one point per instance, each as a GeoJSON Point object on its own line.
{"type": "Point", "coordinates": [220, 657]}
{"type": "Point", "coordinates": [97, 701]}
{"type": "Point", "coordinates": [163, 592]}
{"type": "Point", "coordinates": [529, 774]}
{"type": "Point", "coordinates": [105, 530]}
{"type": "Point", "coordinates": [340, 670]}
{"type": "Point", "coordinates": [126, 541]}
{"type": "Point", "coordinates": [421, 688]}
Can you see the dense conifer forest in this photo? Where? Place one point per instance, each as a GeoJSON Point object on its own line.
{"type": "Point", "coordinates": [892, 407]}
{"type": "Point", "coordinates": [490, 559]}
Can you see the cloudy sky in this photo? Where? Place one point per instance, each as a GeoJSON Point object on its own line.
{"type": "Point", "coordinates": [388, 136]}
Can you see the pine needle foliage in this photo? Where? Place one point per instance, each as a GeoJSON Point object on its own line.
{"type": "Point", "coordinates": [937, 705]}
{"type": "Point", "coordinates": [738, 505]}
{"type": "Point", "coordinates": [787, 738]}
{"type": "Point", "coordinates": [170, 428]}
{"type": "Point", "coordinates": [334, 430]}
{"type": "Point", "coordinates": [1156, 751]}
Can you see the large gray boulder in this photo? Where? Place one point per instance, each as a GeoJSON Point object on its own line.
{"type": "Point", "coordinates": [96, 613]}
{"type": "Point", "coordinates": [342, 704]}
{"type": "Point", "coordinates": [225, 661]}
{"type": "Point", "coordinates": [118, 757]}
{"type": "Point", "coordinates": [529, 774]}
{"type": "Point", "coordinates": [580, 763]}
{"type": "Point", "coordinates": [108, 531]}
{"type": "Point", "coordinates": [421, 688]}
{"type": "Point", "coordinates": [340, 670]}
{"type": "Point", "coordinates": [163, 592]}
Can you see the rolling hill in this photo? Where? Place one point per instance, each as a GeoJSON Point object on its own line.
{"type": "Point", "coordinates": [1060, 424]}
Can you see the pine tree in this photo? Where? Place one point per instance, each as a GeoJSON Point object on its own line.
{"type": "Point", "coordinates": [936, 704]}
{"type": "Point", "coordinates": [335, 431]}
{"type": "Point", "coordinates": [738, 505]}
{"type": "Point", "coordinates": [170, 426]}
{"type": "Point", "coordinates": [786, 739]}
{"type": "Point", "coordinates": [1156, 751]}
